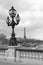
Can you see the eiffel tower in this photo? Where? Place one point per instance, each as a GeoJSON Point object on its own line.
{"type": "Point", "coordinates": [24, 33]}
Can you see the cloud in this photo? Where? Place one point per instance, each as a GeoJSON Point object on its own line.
{"type": "Point", "coordinates": [25, 24]}
{"type": "Point", "coordinates": [3, 13]}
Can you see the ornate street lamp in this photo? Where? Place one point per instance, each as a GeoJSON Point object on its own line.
{"type": "Point", "coordinates": [15, 19]}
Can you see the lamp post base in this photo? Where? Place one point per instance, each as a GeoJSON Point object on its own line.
{"type": "Point", "coordinates": [11, 53]}
{"type": "Point", "coordinates": [13, 41]}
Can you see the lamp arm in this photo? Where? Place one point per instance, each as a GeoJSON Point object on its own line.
{"type": "Point", "coordinates": [17, 23]}
{"type": "Point", "coordinates": [8, 23]}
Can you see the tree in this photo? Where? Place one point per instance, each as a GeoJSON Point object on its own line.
{"type": "Point", "coordinates": [3, 39]}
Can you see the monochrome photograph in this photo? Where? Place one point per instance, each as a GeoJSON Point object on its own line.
{"type": "Point", "coordinates": [21, 32]}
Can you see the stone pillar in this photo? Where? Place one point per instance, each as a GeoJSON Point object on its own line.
{"type": "Point", "coordinates": [18, 55]}
{"type": "Point", "coordinates": [41, 56]}
{"type": "Point", "coordinates": [31, 55]}
{"type": "Point", "coordinates": [25, 54]}
{"type": "Point", "coordinates": [11, 53]}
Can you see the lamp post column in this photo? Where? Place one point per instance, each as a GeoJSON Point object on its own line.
{"type": "Point", "coordinates": [15, 19]}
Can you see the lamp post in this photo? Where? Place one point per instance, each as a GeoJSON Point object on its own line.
{"type": "Point", "coordinates": [15, 19]}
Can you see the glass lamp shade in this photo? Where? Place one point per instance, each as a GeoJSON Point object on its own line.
{"type": "Point", "coordinates": [7, 20]}
{"type": "Point", "coordinates": [12, 12]}
{"type": "Point", "coordinates": [17, 18]}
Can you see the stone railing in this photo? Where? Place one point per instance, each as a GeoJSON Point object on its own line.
{"type": "Point", "coordinates": [30, 53]}
{"type": "Point", "coordinates": [19, 53]}
{"type": "Point", "coordinates": [23, 53]}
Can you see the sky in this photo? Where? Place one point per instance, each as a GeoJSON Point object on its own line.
{"type": "Point", "coordinates": [31, 15]}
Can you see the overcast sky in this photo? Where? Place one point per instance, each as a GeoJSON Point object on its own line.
{"type": "Point", "coordinates": [31, 13]}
